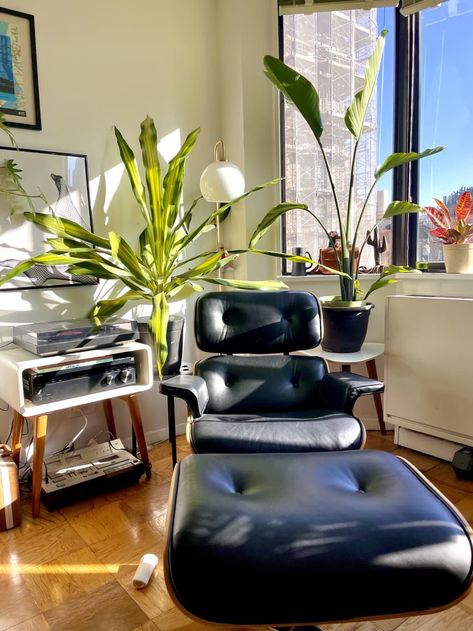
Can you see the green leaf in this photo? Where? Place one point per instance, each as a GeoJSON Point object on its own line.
{"type": "Point", "coordinates": [174, 178]}
{"type": "Point", "coordinates": [206, 224]}
{"type": "Point", "coordinates": [68, 245]}
{"type": "Point", "coordinates": [398, 269]}
{"type": "Point", "coordinates": [123, 253]}
{"type": "Point", "coordinates": [184, 291]}
{"type": "Point", "coordinates": [355, 114]}
{"type": "Point", "coordinates": [280, 255]}
{"type": "Point", "coordinates": [297, 89]}
{"type": "Point", "coordinates": [89, 268]}
{"type": "Point", "coordinates": [106, 308]}
{"type": "Point", "coordinates": [16, 271]}
{"type": "Point", "coordinates": [401, 208]}
{"type": "Point", "coordinates": [158, 325]}
{"type": "Point", "coordinates": [129, 160]}
{"type": "Point", "coordinates": [245, 284]}
{"type": "Point", "coordinates": [270, 218]}
{"type": "Point", "coordinates": [149, 152]}
{"type": "Point", "coordinates": [397, 159]}
{"type": "Point", "coordinates": [50, 258]}
{"type": "Point", "coordinates": [381, 282]}
{"type": "Point", "coordinates": [208, 266]}
{"type": "Point", "coordinates": [66, 228]}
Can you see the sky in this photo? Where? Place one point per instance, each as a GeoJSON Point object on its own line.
{"type": "Point", "coordinates": [446, 97]}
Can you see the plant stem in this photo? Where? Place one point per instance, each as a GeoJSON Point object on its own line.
{"type": "Point", "coordinates": [346, 284]}
{"type": "Point", "coordinates": [355, 234]}
{"type": "Point", "coordinates": [350, 190]}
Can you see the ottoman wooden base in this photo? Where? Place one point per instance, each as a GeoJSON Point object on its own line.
{"type": "Point", "coordinates": [294, 539]}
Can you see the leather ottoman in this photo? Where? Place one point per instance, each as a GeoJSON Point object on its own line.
{"type": "Point", "coordinates": [294, 539]}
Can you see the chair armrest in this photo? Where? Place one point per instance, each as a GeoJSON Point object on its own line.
{"type": "Point", "coordinates": [340, 390]}
{"type": "Point", "coordinates": [191, 388]}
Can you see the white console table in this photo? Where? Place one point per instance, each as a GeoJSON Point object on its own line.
{"type": "Point", "coordinates": [14, 361]}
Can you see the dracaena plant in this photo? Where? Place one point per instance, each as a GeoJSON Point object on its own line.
{"type": "Point", "coordinates": [452, 230]}
{"type": "Point", "coordinates": [300, 92]}
{"type": "Point", "coordinates": [158, 270]}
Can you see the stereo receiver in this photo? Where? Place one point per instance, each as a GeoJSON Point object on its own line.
{"type": "Point", "coordinates": [45, 384]}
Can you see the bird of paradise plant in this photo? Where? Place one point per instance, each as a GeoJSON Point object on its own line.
{"type": "Point", "coordinates": [300, 92]}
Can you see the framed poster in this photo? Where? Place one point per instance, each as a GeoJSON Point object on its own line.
{"type": "Point", "coordinates": [19, 97]}
{"type": "Point", "coordinates": [57, 183]}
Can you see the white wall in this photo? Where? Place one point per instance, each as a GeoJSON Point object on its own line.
{"type": "Point", "coordinates": [105, 63]}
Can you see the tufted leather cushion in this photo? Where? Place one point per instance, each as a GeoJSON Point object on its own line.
{"type": "Point", "coordinates": [310, 430]}
{"type": "Point", "coordinates": [257, 322]}
{"type": "Point", "coordinates": [276, 383]}
{"type": "Point", "coordinates": [299, 538]}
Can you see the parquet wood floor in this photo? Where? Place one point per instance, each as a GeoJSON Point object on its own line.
{"type": "Point", "coordinates": [71, 570]}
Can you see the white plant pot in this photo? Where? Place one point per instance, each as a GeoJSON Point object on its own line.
{"type": "Point", "coordinates": [458, 258]}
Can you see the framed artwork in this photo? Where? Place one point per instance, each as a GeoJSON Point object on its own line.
{"type": "Point", "coordinates": [62, 181]}
{"type": "Point", "coordinates": [19, 97]}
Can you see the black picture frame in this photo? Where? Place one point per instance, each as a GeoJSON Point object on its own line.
{"type": "Point", "coordinates": [19, 92]}
{"type": "Point", "coordinates": [63, 181]}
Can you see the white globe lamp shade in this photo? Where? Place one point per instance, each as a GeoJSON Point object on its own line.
{"type": "Point", "coordinates": [222, 181]}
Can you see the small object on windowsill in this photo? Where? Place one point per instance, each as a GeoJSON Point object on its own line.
{"type": "Point", "coordinates": [422, 266]}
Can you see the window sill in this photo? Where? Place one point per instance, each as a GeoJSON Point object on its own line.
{"type": "Point", "coordinates": [422, 277]}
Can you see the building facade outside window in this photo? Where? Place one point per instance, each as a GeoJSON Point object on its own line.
{"type": "Point", "coordinates": [331, 49]}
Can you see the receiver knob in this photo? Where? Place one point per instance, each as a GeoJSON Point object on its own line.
{"type": "Point", "coordinates": [109, 380]}
{"type": "Point", "coordinates": [125, 376]}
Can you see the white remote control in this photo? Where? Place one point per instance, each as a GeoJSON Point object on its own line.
{"type": "Point", "coordinates": [144, 570]}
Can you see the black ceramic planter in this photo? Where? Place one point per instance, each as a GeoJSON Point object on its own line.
{"type": "Point", "coordinates": [345, 328]}
{"type": "Point", "coordinates": [174, 338]}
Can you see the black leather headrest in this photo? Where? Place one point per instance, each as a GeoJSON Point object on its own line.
{"type": "Point", "coordinates": [257, 322]}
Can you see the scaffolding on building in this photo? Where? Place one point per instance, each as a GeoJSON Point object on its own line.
{"type": "Point", "coordinates": [331, 50]}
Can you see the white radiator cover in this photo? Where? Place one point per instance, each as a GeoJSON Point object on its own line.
{"type": "Point", "coordinates": [429, 367]}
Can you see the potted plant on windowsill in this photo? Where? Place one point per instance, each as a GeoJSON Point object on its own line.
{"type": "Point", "coordinates": [157, 271]}
{"type": "Point", "coordinates": [455, 233]}
{"type": "Point", "coordinates": [300, 92]}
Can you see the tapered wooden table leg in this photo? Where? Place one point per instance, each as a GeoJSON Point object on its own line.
{"type": "Point", "coordinates": [133, 406]}
{"type": "Point", "coordinates": [40, 426]}
{"type": "Point", "coordinates": [108, 410]}
{"type": "Point", "coordinates": [373, 374]}
{"type": "Point", "coordinates": [16, 437]}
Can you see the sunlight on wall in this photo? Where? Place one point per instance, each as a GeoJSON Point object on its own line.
{"type": "Point", "coordinates": [170, 144]}
{"type": "Point", "coordinates": [93, 190]}
{"type": "Point", "coordinates": [112, 177]}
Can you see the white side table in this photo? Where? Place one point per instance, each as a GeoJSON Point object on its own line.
{"type": "Point", "coordinates": [367, 354]}
{"type": "Point", "coordinates": [15, 360]}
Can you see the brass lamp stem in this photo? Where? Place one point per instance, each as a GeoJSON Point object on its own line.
{"type": "Point", "coordinates": [219, 150]}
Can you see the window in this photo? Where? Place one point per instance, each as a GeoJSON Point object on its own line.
{"type": "Point", "coordinates": [446, 112]}
{"type": "Point", "coordinates": [330, 49]}
{"type": "Point", "coordinates": [433, 101]}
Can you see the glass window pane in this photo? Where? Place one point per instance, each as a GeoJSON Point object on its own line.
{"type": "Point", "coordinates": [331, 50]}
{"type": "Point", "coordinates": [446, 113]}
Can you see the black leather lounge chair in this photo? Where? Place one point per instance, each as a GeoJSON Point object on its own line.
{"type": "Point", "coordinates": [253, 396]}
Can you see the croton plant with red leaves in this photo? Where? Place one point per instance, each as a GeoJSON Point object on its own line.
{"type": "Point", "coordinates": [452, 230]}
